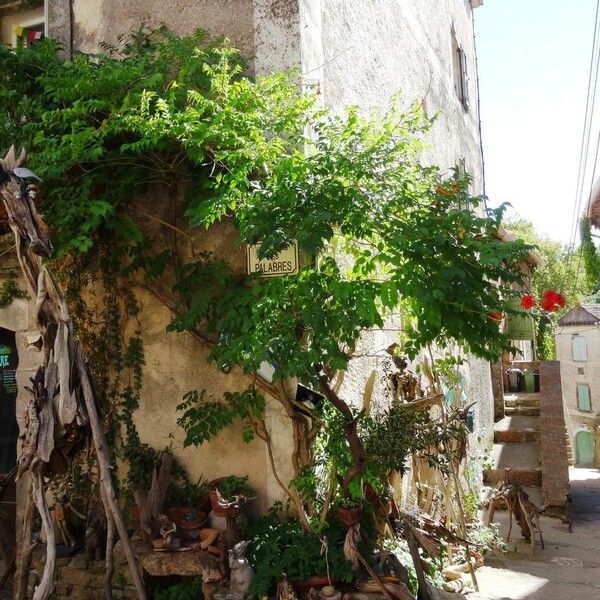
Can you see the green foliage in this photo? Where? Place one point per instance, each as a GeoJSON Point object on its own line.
{"type": "Point", "coordinates": [557, 272]}
{"type": "Point", "coordinates": [9, 292]}
{"type": "Point", "coordinates": [589, 256]}
{"type": "Point", "coordinates": [202, 420]}
{"type": "Point", "coordinates": [392, 435]}
{"type": "Point", "coordinates": [233, 485]}
{"type": "Point", "coordinates": [281, 546]}
{"type": "Point", "coordinates": [179, 111]}
{"type": "Point", "coordinates": [190, 589]}
{"type": "Point", "coordinates": [185, 493]}
{"type": "Point", "coordinates": [389, 438]}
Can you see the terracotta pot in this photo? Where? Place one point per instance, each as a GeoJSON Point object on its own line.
{"type": "Point", "coordinates": [350, 515]}
{"type": "Point", "coordinates": [134, 512]}
{"type": "Point", "coordinates": [190, 530]}
{"type": "Point", "coordinates": [316, 581]}
{"type": "Point", "coordinates": [182, 514]}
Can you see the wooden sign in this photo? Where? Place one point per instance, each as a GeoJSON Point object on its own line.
{"type": "Point", "coordinates": [284, 263]}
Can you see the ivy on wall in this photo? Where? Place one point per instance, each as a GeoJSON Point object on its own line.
{"type": "Point", "coordinates": [383, 233]}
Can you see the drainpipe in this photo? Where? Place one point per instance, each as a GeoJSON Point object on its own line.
{"type": "Point", "coordinates": [46, 18]}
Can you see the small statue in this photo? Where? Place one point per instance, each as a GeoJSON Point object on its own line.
{"type": "Point", "coordinates": [329, 593]}
{"type": "Point", "coordinates": [241, 574]}
{"type": "Point", "coordinates": [167, 540]}
{"type": "Point", "coordinates": [284, 590]}
{"type": "Point", "coordinates": [93, 550]}
{"type": "Point", "coordinates": [60, 514]}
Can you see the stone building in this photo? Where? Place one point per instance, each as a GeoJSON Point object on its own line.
{"type": "Point", "coordinates": [578, 349]}
{"type": "Point", "coordinates": [358, 52]}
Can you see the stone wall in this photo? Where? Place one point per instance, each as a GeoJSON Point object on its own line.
{"type": "Point", "coordinates": [80, 579]}
{"type": "Point", "coordinates": [553, 444]}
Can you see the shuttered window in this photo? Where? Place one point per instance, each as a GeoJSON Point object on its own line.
{"type": "Point", "coordinates": [459, 68]}
{"type": "Point", "coordinates": [584, 401]}
{"type": "Point", "coordinates": [579, 348]}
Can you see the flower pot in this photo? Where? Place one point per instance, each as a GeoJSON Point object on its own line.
{"type": "Point", "coordinates": [316, 581]}
{"type": "Point", "coordinates": [182, 514]}
{"type": "Point", "coordinates": [350, 515]}
{"type": "Point", "coordinates": [134, 513]}
{"type": "Point", "coordinates": [190, 530]}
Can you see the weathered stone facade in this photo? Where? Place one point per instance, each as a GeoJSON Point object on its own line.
{"type": "Point", "coordinates": [357, 53]}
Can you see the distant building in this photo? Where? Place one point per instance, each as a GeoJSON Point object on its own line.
{"type": "Point", "coordinates": [578, 350]}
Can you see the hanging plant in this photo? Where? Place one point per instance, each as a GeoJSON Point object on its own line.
{"type": "Point", "coordinates": [528, 301]}
{"type": "Point", "coordinates": [552, 301]}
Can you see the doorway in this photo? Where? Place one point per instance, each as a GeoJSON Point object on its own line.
{"type": "Point", "coordinates": [9, 432]}
{"type": "Point", "coordinates": [584, 447]}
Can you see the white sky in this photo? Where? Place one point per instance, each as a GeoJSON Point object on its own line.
{"type": "Point", "coordinates": [533, 71]}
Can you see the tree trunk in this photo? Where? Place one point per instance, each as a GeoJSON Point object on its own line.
{"type": "Point", "coordinates": [27, 548]}
{"type": "Point", "coordinates": [350, 431]}
{"type": "Point", "coordinates": [110, 545]}
{"type": "Point", "coordinates": [152, 503]}
{"type": "Point", "coordinates": [101, 447]}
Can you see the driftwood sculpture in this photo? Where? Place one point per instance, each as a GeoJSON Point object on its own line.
{"type": "Point", "coordinates": [62, 405]}
{"type": "Point", "coordinates": [152, 502]}
{"type": "Point", "coordinates": [232, 535]}
{"type": "Point", "coordinates": [518, 505]}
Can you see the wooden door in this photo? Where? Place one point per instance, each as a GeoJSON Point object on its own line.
{"type": "Point", "coordinates": [584, 442]}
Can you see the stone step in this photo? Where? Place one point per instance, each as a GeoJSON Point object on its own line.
{"type": "Point", "coordinates": [523, 477]}
{"type": "Point", "coordinates": [524, 456]}
{"type": "Point", "coordinates": [512, 436]}
{"type": "Point", "coordinates": [518, 423]}
{"type": "Point", "coordinates": [523, 411]}
{"type": "Point", "coordinates": [512, 402]}
{"type": "Point", "coordinates": [522, 396]}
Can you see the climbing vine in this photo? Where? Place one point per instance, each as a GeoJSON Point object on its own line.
{"type": "Point", "coordinates": [9, 291]}
{"type": "Point", "coordinates": [176, 118]}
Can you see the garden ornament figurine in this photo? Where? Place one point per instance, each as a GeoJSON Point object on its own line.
{"type": "Point", "coordinates": [284, 590]}
{"type": "Point", "coordinates": [167, 539]}
{"type": "Point", "coordinates": [241, 574]}
{"type": "Point", "coordinates": [93, 547]}
{"type": "Point", "coordinates": [60, 514]}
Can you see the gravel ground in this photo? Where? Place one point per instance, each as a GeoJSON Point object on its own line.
{"type": "Point", "coordinates": [569, 567]}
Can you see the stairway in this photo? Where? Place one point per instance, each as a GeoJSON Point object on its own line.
{"type": "Point", "coordinates": [569, 449]}
{"type": "Point", "coordinates": [517, 445]}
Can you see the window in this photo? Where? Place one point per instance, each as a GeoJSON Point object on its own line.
{"type": "Point", "coordinates": [584, 401]}
{"type": "Point", "coordinates": [459, 68]}
{"type": "Point", "coordinates": [579, 347]}
{"type": "Point", "coordinates": [28, 36]}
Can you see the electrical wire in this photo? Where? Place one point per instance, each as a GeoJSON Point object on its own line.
{"type": "Point", "coordinates": [586, 134]}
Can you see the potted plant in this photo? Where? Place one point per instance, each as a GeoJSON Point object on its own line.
{"type": "Point", "coordinates": [186, 503]}
{"type": "Point", "coordinates": [349, 510]}
{"type": "Point", "coordinates": [281, 545]}
{"type": "Point", "coordinates": [190, 526]}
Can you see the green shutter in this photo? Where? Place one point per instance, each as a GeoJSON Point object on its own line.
{"type": "Point", "coordinates": [583, 397]}
{"type": "Point", "coordinates": [519, 327]}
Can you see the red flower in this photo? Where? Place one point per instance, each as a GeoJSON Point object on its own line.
{"type": "Point", "coordinates": [496, 316]}
{"type": "Point", "coordinates": [552, 301]}
{"type": "Point", "coordinates": [527, 301]}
